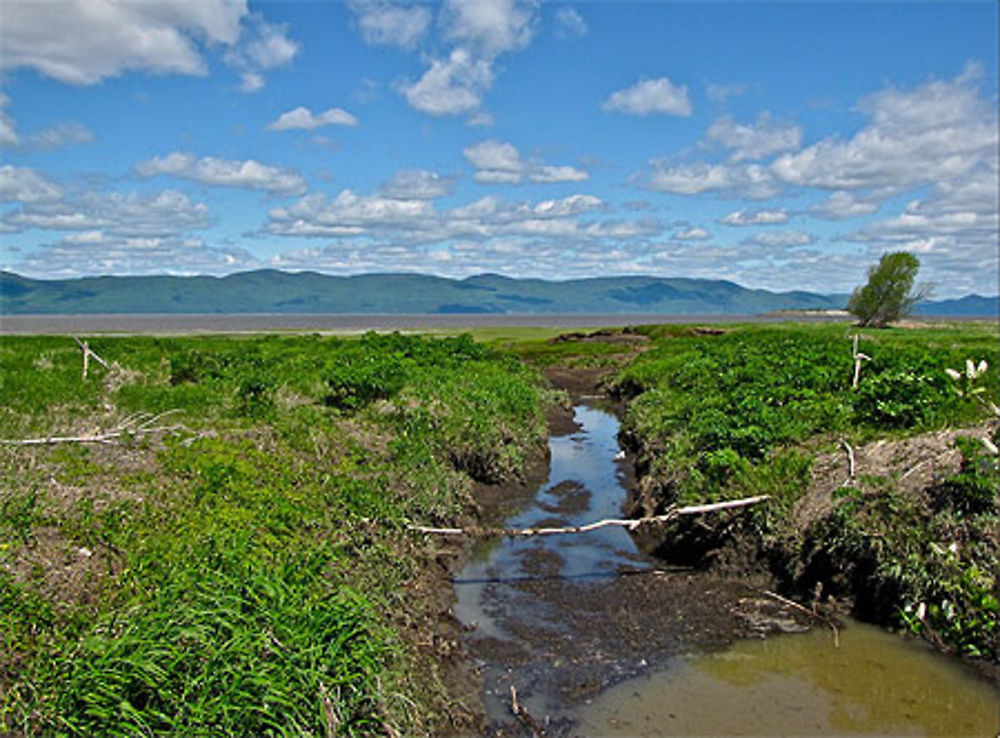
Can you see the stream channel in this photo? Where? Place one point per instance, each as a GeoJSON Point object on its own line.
{"type": "Point", "coordinates": [600, 640]}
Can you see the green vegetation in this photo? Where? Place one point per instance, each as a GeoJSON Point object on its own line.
{"type": "Point", "coordinates": [715, 417]}
{"type": "Point", "coordinates": [889, 293]}
{"type": "Point", "coordinates": [249, 572]}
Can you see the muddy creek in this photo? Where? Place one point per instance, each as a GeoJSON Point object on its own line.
{"type": "Point", "coordinates": [600, 640]}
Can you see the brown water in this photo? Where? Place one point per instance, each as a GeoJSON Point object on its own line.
{"type": "Point", "coordinates": [874, 683]}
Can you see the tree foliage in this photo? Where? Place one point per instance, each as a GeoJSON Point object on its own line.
{"type": "Point", "coordinates": [889, 294]}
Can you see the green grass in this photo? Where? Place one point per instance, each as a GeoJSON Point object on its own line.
{"type": "Point", "coordinates": [247, 574]}
{"type": "Point", "coordinates": [742, 413]}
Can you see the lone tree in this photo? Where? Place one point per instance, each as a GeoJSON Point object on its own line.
{"type": "Point", "coordinates": [889, 294]}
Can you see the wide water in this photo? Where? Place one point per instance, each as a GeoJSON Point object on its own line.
{"type": "Point", "coordinates": [535, 596]}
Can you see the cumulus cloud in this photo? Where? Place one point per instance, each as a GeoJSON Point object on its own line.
{"type": "Point", "coordinates": [499, 162]}
{"type": "Point", "coordinates": [780, 239]}
{"type": "Point", "coordinates": [755, 217]}
{"type": "Point", "coordinates": [569, 23]}
{"type": "Point", "coordinates": [96, 253]}
{"type": "Point", "coordinates": [649, 96]}
{"type": "Point", "coordinates": [390, 23]}
{"type": "Point", "coordinates": [418, 184]}
{"type": "Point", "coordinates": [479, 31]}
{"type": "Point", "coordinates": [751, 181]}
{"type": "Point", "coordinates": [842, 205]}
{"type": "Point", "coordinates": [91, 42]}
{"type": "Point", "coordinates": [490, 27]}
{"type": "Point", "coordinates": [21, 184]}
{"type": "Point", "coordinates": [163, 214]}
{"type": "Point", "coordinates": [754, 141]}
{"type": "Point", "coordinates": [8, 128]}
{"type": "Point", "coordinates": [692, 234]}
{"type": "Point", "coordinates": [210, 170]}
{"type": "Point", "coordinates": [451, 86]}
{"type": "Point", "coordinates": [937, 131]}
{"type": "Point", "coordinates": [304, 119]}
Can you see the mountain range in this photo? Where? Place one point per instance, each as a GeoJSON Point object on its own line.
{"type": "Point", "coordinates": [270, 291]}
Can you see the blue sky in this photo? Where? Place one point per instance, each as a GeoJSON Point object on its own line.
{"type": "Point", "coordinates": [778, 145]}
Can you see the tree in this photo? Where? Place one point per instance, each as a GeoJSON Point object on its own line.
{"type": "Point", "coordinates": [889, 294]}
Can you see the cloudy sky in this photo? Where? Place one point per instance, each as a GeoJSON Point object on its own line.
{"type": "Point", "coordinates": [781, 145]}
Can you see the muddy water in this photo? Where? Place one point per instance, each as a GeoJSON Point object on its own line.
{"type": "Point", "coordinates": [598, 639]}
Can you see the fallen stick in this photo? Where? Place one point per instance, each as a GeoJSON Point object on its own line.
{"type": "Point", "coordinates": [137, 425]}
{"type": "Point", "coordinates": [791, 603]}
{"type": "Point", "coordinates": [630, 524]}
{"type": "Point", "coordinates": [524, 716]}
{"type": "Point", "coordinates": [850, 458]}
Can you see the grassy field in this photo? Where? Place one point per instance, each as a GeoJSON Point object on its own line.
{"type": "Point", "coordinates": [235, 561]}
{"type": "Point", "coordinates": [247, 571]}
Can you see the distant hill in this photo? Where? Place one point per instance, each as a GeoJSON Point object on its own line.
{"type": "Point", "coordinates": [269, 291]}
{"type": "Point", "coordinates": [968, 306]}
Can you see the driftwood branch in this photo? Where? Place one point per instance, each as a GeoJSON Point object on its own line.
{"type": "Point", "coordinates": [135, 426]}
{"type": "Point", "coordinates": [630, 524]}
{"type": "Point", "coordinates": [850, 458]}
{"type": "Point", "coordinates": [524, 716]}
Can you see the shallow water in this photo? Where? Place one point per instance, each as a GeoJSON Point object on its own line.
{"type": "Point", "coordinates": [874, 683]}
{"type": "Point", "coordinates": [531, 596]}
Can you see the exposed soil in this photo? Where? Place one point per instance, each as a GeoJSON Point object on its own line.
{"type": "Point", "coordinates": [917, 463]}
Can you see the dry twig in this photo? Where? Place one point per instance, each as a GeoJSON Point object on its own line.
{"type": "Point", "coordinates": [135, 426]}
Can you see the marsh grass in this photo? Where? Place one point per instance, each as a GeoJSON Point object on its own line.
{"type": "Point", "coordinates": [246, 575]}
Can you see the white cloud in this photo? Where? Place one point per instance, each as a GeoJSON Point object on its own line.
{"type": "Point", "coordinates": [935, 132]}
{"type": "Point", "coordinates": [755, 217]}
{"type": "Point", "coordinates": [780, 239]}
{"type": "Point", "coordinates": [163, 214]}
{"type": "Point", "coordinates": [730, 180]}
{"type": "Point", "coordinates": [499, 162]}
{"type": "Point", "coordinates": [650, 96]}
{"type": "Point", "coordinates": [842, 205]}
{"type": "Point", "coordinates": [8, 128]}
{"type": "Point", "coordinates": [490, 27]}
{"type": "Point", "coordinates": [21, 184]}
{"type": "Point", "coordinates": [390, 23]}
{"type": "Point", "coordinates": [452, 86]}
{"type": "Point", "coordinates": [481, 119]}
{"type": "Point", "coordinates": [754, 141]}
{"type": "Point", "coordinates": [692, 234]}
{"type": "Point", "coordinates": [95, 253]}
{"type": "Point", "coordinates": [546, 173]}
{"type": "Point", "coordinates": [209, 170]}
{"type": "Point", "coordinates": [81, 43]}
{"type": "Point", "coordinates": [494, 155]}
{"type": "Point", "coordinates": [262, 46]}
{"type": "Point", "coordinates": [304, 119]}
{"type": "Point", "coordinates": [418, 184]}
{"type": "Point", "coordinates": [569, 23]}
{"type": "Point", "coordinates": [347, 215]}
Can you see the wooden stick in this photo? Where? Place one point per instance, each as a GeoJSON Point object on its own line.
{"type": "Point", "coordinates": [858, 358]}
{"type": "Point", "coordinates": [630, 524]}
{"type": "Point", "coordinates": [524, 716]}
{"type": "Point", "coordinates": [850, 458]}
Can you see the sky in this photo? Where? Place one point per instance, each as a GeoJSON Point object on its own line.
{"type": "Point", "coordinates": [778, 145]}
